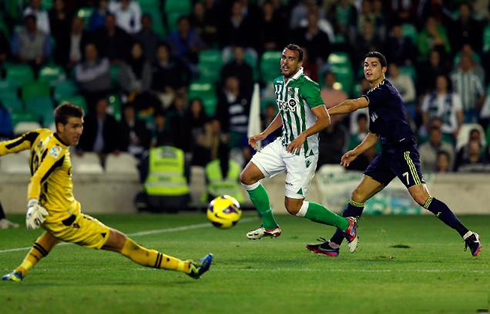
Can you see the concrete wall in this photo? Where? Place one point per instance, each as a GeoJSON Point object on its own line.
{"type": "Point", "coordinates": [464, 193]}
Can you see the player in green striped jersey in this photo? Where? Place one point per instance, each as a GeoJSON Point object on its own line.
{"type": "Point", "coordinates": [302, 114]}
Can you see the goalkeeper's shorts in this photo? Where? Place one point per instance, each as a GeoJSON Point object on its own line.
{"type": "Point", "coordinates": [80, 229]}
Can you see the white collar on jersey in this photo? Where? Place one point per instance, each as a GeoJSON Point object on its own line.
{"type": "Point", "coordinates": [300, 72]}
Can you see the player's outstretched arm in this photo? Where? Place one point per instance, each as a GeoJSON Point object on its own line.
{"type": "Point", "coordinates": [322, 121]}
{"type": "Point", "coordinates": [348, 106]}
{"type": "Point", "coordinates": [368, 142]}
{"type": "Point", "coordinates": [274, 125]}
{"type": "Point", "coordinates": [18, 144]}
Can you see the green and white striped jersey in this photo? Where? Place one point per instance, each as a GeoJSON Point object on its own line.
{"type": "Point", "coordinates": [295, 99]}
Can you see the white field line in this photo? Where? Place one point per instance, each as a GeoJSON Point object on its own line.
{"type": "Point", "coordinates": [335, 270]}
{"type": "Point", "coordinates": [144, 233]}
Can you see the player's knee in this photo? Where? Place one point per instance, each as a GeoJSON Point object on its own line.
{"type": "Point", "coordinates": [247, 179]}
{"type": "Point", "coordinates": [420, 199]}
{"type": "Point", "coordinates": [292, 205]}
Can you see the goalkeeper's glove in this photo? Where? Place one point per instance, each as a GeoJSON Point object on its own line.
{"type": "Point", "coordinates": [36, 214]}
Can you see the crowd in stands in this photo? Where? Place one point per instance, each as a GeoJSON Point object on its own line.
{"type": "Point", "coordinates": [181, 72]}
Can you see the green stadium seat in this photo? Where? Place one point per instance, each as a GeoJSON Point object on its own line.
{"type": "Point", "coordinates": [22, 116]}
{"type": "Point", "coordinates": [115, 106]}
{"type": "Point", "coordinates": [42, 108]}
{"type": "Point", "coordinates": [65, 89]}
{"type": "Point", "coordinates": [18, 74]}
{"type": "Point", "coordinates": [209, 66]}
{"type": "Point", "coordinates": [11, 102]}
{"type": "Point", "coordinates": [52, 74]}
{"type": "Point", "coordinates": [47, 4]}
{"type": "Point", "coordinates": [182, 6]}
{"type": "Point", "coordinates": [339, 58]}
{"type": "Point", "coordinates": [149, 4]}
{"type": "Point", "coordinates": [35, 89]}
{"type": "Point", "coordinates": [486, 39]}
{"type": "Point", "coordinates": [85, 14]}
{"type": "Point", "coordinates": [270, 66]}
{"type": "Point", "coordinates": [206, 92]}
{"type": "Point", "coordinates": [77, 100]}
{"type": "Point", "coordinates": [409, 30]}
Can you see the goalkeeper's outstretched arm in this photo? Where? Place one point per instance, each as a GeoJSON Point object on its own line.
{"type": "Point", "coordinates": [18, 144]}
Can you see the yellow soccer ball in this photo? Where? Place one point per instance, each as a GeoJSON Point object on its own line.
{"type": "Point", "coordinates": [224, 212]}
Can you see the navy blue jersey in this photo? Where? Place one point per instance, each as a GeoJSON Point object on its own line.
{"type": "Point", "coordinates": [387, 114]}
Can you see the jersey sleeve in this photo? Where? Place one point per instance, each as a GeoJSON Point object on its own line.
{"type": "Point", "coordinates": [53, 159]}
{"type": "Point", "coordinates": [310, 91]}
{"type": "Point", "coordinates": [375, 96]}
{"type": "Point", "coordinates": [18, 144]}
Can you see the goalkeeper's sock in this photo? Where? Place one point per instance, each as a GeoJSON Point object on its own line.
{"type": "Point", "coordinates": [152, 258]}
{"type": "Point", "coordinates": [260, 199]}
{"type": "Point", "coordinates": [40, 249]}
{"type": "Point", "coordinates": [354, 209]}
{"type": "Point", "coordinates": [443, 212]}
{"type": "Point", "coordinates": [320, 214]}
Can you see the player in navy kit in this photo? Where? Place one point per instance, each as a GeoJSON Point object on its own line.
{"type": "Point", "coordinates": [399, 156]}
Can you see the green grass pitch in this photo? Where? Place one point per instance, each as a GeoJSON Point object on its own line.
{"type": "Point", "coordinates": [427, 273]}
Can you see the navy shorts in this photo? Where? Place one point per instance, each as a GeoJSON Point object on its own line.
{"type": "Point", "coordinates": [401, 161]}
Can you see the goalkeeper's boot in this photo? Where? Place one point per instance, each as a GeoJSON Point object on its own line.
{"type": "Point", "coordinates": [472, 241]}
{"type": "Point", "coordinates": [351, 234]}
{"type": "Point", "coordinates": [200, 266]}
{"type": "Point", "coordinates": [323, 248]}
{"type": "Point", "coordinates": [261, 232]}
{"type": "Point", "coordinates": [15, 276]}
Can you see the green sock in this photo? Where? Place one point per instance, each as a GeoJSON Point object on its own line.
{"type": "Point", "coordinates": [260, 199]}
{"type": "Point", "coordinates": [320, 214]}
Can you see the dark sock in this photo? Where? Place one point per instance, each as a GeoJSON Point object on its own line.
{"type": "Point", "coordinates": [443, 212]}
{"type": "Point", "coordinates": [2, 213]}
{"type": "Point", "coordinates": [353, 210]}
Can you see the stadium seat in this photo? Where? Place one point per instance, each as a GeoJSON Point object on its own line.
{"type": "Point", "coordinates": [47, 4]}
{"type": "Point", "coordinates": [88, 163]}
{"type": "Point", "coordinates": [65, 88]}
{"type": "Point", "coordinates": [409, 30]}
{"type": "Point", "coordinates": [42, 107]}
{"type": "Point", "coordinates": [205, 92]}
{"type": "Point", "coordinates": [25, 126]}
{"type": "Point", "coordinates": [209, 66]}
{"type": "Point", "coordinates": [339, 58]}
{"type": "Point", "coordinates": [77, 100]}
{"type": "Point", "coordinates": [183, 6]}
{"type": "Point", "coordinates": [486, 39]}
{"type": "Point", "coordinates": [464, 134]}
{"type": "Point", "coordinates": [11, 102]}
{"type": "Point", "coordinates": [15, 163]}
{"type": "Point", "coordinates": [85, 14]}
{"type": "Point", "coordinates": [18, 74]}
{"type": "Point", "coordinates": [35, 89]}
{"type": "Point", "coordinates": [270, 65]}
{"type": "Point", "coordinates": [124, 163]}
{"type": "Point", "coordinates": [149, 4]}
{"type": "Point", "coordinates": [52, 74]}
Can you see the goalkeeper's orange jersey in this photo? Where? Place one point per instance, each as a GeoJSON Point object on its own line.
{"type": "Point", "coordinates": [51, 172]}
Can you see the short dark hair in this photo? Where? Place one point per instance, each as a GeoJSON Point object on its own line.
{"type": "Point", "coordinates": [298, 49]}
{"type": "Point", "coordinates": [379, 55]}
{"type": "Point", "coordinates": [65, 111]}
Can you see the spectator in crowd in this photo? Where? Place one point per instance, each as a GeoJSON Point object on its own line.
{"type": "Point", "coordinates": [181, 133]}
{"type": "Point", "coordinates": [427, 72]}
{"type": "Point", "coordinates": [429, 151]}
{"type": "Point", "coordinates": [333, 142]}
{"type": "Point", "coordinates": [236, 30]}
{"type": "Point", "coordinates": [433, 36]}
{"type": "Point", "coordinates": [405, 86]}
{"type": "Point", "coordinates": [444, 104]}
{"type": "Point", "coordinates": [148, 38]}
{"type": "Point", "coordinates": [332, 95]}
{"type": "Point", "coordinates": [463, 152]}
{"type": "Point", "coordinates": [315, 40]}
{"type": "Point", "coordinates": [30, 44]}
{"type": "Point", "coordinates": [467, 84]}
{"type": "Point", "coordinates": [101, 132]}
{"type": "Point", "coordinates": [134, 135]}
{"type": "Point", "coordinates": [271, 36]}
{"type": "Point", "coordinates": [200, 130]}
{"type": "Point", "coordinates": [4, 49]}
{"type": "Point", "coordinates": [299, 13]}
{"type": "Point", "coordinates": [476, 61]}
{"type": "Point", "coordinates": [204, 25]}
{"type": "Point", "coordinates": [465, 29]}
{"type": "Point", "coordinates": [400, 49]}
{"type": "Point", "coordinates": [97, 19]}
{"type": "Point", "coordinates": [135, 74]}
{"type": "Point", "coordinates": [169, 74]}
{"type": "Point", "coordinates": [366, 40]}
{"type": "Point", "coordinates": [42, 17]}
{"type": "Point", "coordinates": [232, 113]}
{"type": "Point", "coordinates": [310, 67]}
{"type": "Point", "coordinates": [473, 160]}
{"type": "Point", "coordinates": [59, 20]}
{"type": "Point", "coordinates": [112, 41]}
{"type": "Point", "coordinates": [443, 162]}
{"type": "Point", "coordinates": [69, 49]}
{"type": "Point", "coordinates": [186, 43]}
{"type": "Point", "coordinates": [161, 135]}
{"type": "Point", "coordinates": [128, 15]}
{"type": "Point", "coordinates": [241, 69]}
{"type": "Point", "coordinates": [93, 75]}
{"type": "Point", "coordinates": [344, 18]}
{"type": "Point", "coordinates": [365, 158]}
{"type": "Point", "coordinates": [6, 127]}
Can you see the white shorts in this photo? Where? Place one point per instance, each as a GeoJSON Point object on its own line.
{"type": "Point", "coordinates": [300, 170]}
